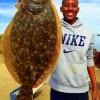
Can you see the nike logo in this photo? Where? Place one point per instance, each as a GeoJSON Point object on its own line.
{"type": "Point", "coordinates": [65, 51]}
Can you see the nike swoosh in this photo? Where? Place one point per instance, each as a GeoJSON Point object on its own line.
{"type": "Point", "coordinates": [65, 51]}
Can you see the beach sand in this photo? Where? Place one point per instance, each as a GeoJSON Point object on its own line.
{"type": "Point", "coordinates": [8, 84]}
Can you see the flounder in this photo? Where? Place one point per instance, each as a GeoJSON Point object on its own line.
{"type": "Point", "coordinates": [31, 44]}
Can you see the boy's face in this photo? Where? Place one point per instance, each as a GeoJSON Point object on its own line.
{"type": "Point", "coordinates": [69, 9]}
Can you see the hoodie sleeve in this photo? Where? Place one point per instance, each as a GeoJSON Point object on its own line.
{"type": "Point", "coordinates": [90, 61]}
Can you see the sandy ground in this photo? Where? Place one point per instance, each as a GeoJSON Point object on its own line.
{"type": "Point", "coordinates": [8, 84]}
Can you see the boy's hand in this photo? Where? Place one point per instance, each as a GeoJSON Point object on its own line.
{"type": "Point", "coordinates": [95, 95]}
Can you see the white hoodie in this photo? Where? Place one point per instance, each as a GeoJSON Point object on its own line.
{"type": "Point", "coordinates": [70, 75]}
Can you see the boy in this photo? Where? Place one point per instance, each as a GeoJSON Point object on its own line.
{"type": "Point", "coordinates": [69, 80]}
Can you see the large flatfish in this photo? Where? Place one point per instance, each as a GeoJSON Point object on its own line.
{"type": "Point", "coordinates": [31, 44]}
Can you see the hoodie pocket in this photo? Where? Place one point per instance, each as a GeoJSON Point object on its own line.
{"type": "Point", "coordinates": [70, 75]}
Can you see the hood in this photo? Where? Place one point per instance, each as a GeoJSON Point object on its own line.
{"type": "Point", "coordinates": [75, 25]}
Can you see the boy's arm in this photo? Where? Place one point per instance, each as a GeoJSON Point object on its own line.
{"type": "Point", "coordinates": [91, 72]}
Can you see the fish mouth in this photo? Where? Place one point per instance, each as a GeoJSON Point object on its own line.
{"type": "Point", "coordinates": [37, 4]}
{"type": "Point", "coordinates": [34, 7]}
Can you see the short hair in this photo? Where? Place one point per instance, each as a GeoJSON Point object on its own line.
{"type": "Point", "coordinates": [63, 1]}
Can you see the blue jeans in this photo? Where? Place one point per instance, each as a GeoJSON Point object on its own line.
{"type": "Point", "coordinates": [55, 95]}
